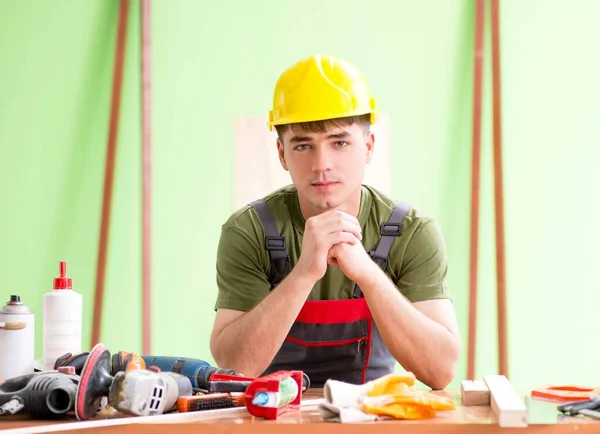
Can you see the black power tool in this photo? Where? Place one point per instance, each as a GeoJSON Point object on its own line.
{"type": "Point", "coordinates": [44, 395]}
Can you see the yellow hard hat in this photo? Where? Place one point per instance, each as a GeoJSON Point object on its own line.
{"type": "Point", "coordinates": [319, 88]}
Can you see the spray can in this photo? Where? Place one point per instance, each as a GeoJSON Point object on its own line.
{"type": "Point", "coordinates": [62, 318]}
{"type": "Point", "coordinates": [17, 339]}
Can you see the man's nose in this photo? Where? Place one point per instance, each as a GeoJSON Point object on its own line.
{"type": "Point", "coordinates": [322, 159]}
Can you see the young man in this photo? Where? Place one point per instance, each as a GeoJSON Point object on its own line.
{"type": "Point", "coordinates": [328, 275]}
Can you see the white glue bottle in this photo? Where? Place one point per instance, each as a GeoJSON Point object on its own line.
{"type": "Point", "coordinates": [62, 318]}
{"type": "Point", "coordinates": [17, 339]}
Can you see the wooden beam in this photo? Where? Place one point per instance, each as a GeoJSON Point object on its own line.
{"type": "Point", "coordinates": [109, 171]}
{"type": "Point", "coordinates": [475, 163]}
{"type": "Point", "coordinates": [146, 180]}
{"type": "Point", "coordinates": [507, 405]}
{"type": "Point", "coordinates": [499, 192]}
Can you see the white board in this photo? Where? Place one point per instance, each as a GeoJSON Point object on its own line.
{"type": "Point", "coordinates": [507, 405]}
{"type": "Point", "coordinates": [258, 171]}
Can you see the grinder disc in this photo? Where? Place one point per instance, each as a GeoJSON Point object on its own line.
{"type": "Point", "coordinates": [94, 383]}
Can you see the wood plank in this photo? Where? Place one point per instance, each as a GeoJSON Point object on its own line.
{"type": "Point", "coordinates": [474, 393]}
{"type": "Point", "coordinates": [509, 408]}
{"type": "Point", "coordinates": [170, 418]}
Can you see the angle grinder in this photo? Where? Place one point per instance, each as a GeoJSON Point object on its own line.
{"type": "Point", "coordinates": [137, 392]}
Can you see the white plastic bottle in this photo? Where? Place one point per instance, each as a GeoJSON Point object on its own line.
{"type": "Point", "coordinates": [62, 319]}
{"type": "Point", "coordinates": [17, 339]}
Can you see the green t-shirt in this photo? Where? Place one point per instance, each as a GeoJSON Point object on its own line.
{"type": "Point", "coordinates": [417, 262]}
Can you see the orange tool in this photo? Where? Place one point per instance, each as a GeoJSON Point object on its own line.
{"type": "Point", "coordinates": [565, 393]}
{"type": "Point", "coordinates": [126, 361]}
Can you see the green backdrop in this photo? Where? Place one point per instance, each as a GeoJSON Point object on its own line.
{"type": "Point", "coordinates": [215, 60]}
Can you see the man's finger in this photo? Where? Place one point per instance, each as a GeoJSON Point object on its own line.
{"type": "Point", "coordinates": [342, 237]}
{"type": "Point", "coordinates": [332, 254]}
{"type": "Point", "coordinates": [336, 214]}
{"type": "Point", "coordinates": [343, 226]}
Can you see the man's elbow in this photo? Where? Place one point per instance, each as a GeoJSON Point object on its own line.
{"type": "Point", "coordinates": [217, 352]}
{"type": "Point", "coordinates": [222, 360]}
{"type": "Point", "coordinates": [445, 373]}
{"type": "Point", "coordinates": [226, 360]}
{"type": "Point", "coordinates": [441, 379]}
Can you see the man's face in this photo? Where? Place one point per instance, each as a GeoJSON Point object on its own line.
{"type": "Point", "coordinates": [326, 168]}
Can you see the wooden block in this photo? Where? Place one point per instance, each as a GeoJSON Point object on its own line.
{"type": "Point", "coordinates": [508, 406]}
{"type": "Point", "coordinates": [474, 393]}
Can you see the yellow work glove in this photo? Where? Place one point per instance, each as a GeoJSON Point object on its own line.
{"type": "Point", "coordinates": [400, 411]}
{"type": "Point", "coordinates": [393, 395]}
{"type": "Point", "coordinates": [389, 383]}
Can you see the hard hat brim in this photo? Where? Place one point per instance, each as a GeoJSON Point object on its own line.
{"type": "Point", "coordinates": [322, 117]}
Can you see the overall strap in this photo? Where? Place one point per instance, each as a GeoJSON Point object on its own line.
{"type": "Point", "coordinates": [274, 243]}
{"type": "Point", "coordinates": [389, 231]}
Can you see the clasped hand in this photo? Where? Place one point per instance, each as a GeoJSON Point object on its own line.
{"type": "Point", "coordinates": [334, 237]}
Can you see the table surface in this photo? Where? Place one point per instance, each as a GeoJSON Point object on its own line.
{"type": "Point", "coordinates": [543, 418]}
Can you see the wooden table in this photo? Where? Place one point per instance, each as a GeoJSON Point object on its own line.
{"type": "Point", "coordinates": [543, 418]}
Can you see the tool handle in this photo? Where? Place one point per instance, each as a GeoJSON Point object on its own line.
{"type": "Point", "coordinates": [228, 386]}
{"type": "Point", "coordinates": [574, 408]}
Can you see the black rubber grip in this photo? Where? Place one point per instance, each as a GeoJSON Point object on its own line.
{"type": "Point", "coordinates": [228, 386]}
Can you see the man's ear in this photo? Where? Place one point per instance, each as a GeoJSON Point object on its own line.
{"type": "Point", "coordinates": [281, 152]}
{"type": "Point", "coordinates": [370, 142]}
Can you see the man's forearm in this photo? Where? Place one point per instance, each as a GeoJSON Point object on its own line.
{"type": "Point", "coordinates": [420, 344]}
{"type": "Point", "coordinates": [250, 343]}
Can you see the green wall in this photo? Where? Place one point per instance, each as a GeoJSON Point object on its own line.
{"type": "Point", "coordinates": [215, 60]}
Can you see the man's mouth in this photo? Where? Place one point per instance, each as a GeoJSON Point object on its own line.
{"type": "Point", "coordinates": [325, 186]}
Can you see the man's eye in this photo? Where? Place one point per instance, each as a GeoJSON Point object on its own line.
{"type": "Point", "coordinates": [301, 147]}
{"type": "Point", "coordinates": [341, 144]}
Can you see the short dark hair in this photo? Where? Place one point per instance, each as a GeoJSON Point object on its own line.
{"type": "Point", "coordinates": [321, 126]}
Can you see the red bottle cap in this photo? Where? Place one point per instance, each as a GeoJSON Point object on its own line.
{"type": "Point", "coordinates": [63, 282]}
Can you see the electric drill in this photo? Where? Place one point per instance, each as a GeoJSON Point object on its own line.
{"type": "Point", "coordinates": [198, 371]}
